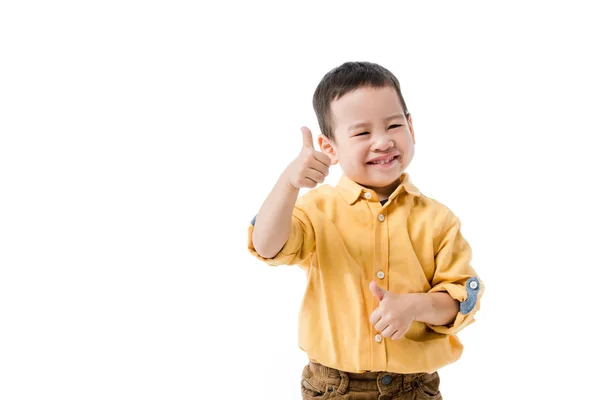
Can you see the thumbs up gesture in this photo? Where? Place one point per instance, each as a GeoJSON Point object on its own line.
{"type": "Point", "coordinates": [395, 312]}
{"type": "Point", "coordinates": [310, 167]}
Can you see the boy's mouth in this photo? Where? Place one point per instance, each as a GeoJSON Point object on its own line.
{"type": "Point", "coordinates": [384, 160]}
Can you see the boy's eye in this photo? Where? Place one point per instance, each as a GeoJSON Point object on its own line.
{"type": "Point", "coordinates": [361, 134]}
{"type": "Point", "coordinates": [395, 126]}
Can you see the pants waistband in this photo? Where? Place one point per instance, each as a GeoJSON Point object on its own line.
{"type": "Point", "coordinates": [384, 382]}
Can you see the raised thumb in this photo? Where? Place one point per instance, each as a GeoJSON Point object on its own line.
{"type": "Point", "coordinates": [307, 139]}
{"type": "Point", "coordinates": [377, 291]}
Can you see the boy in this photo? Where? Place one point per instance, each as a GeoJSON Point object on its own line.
{"type": "Point", "coordinates": [389, 281]}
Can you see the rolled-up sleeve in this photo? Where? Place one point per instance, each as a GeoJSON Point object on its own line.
{"type": "Point", "coordinates": [455, 275]}
{"type": "Point", "coordinates": [299, 246]}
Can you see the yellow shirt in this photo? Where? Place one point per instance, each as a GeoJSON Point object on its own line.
{"type": "Point", "coordinates": [344, 238]}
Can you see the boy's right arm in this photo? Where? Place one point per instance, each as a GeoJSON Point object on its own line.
{"type": "Point", "coordinates": [273, 222]}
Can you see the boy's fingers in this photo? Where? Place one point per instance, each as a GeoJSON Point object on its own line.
{"type": "Point", "coordinates": [375, 317]}
{"type": "Point", "coordinates": [309, 183]}
{"type": "Point", "coordinates": [307, 139]}
{"type": "Point", "coordinates": [380, 326]}
{"type": "Point", "coordinates": [319, 166]}
{"type": "Point", "coordinates": [388, 332]}
{"type": "Point", "coordinates": [315, 175]}
{"type": "Point", "coordinates": [323, 158]}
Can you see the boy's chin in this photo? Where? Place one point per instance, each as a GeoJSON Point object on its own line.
{"type": "Point", "coordinates": [382, 183]}
{"type": "Point", "coordinates": [387, 179]}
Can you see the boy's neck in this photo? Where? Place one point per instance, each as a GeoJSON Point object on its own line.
{"type": "Point", "coordinates": [384, 193]}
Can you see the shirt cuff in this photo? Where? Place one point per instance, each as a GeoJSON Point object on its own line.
{"type": "Point", "coordinates": [285, 256]}
{"type": "Point", "coordinates": [468, 296]}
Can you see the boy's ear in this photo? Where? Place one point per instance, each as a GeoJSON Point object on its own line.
{"type": "Point", "coordinates": [410, 127]}
{"type": "Point", "coordinates": [328, 147]}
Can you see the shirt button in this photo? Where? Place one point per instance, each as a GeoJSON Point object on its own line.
{"type": "Point", "coordinates": [380, 275]}
{"type": "Point", "coordinates": [368, 196]}
{"type": "Point", "coordinates": [380, 217]}
{"type": "Point", "coordinates": [473, 285]}
{"type": "Point", "coordinates": [378, 338]}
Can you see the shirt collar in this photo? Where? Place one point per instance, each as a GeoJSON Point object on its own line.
{"type": "Point", "coordinates": [351, 191]}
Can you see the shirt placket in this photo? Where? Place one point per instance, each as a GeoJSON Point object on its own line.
{"type": "Point", "coordinates": [380, 276]}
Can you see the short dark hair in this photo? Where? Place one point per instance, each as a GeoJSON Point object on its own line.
{"type": "Point", "coordinates": [344, 79]}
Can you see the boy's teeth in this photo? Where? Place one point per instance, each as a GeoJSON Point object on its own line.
{"type": "Point", "coordinates": [383, 161]}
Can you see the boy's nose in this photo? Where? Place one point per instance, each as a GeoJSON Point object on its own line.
{"type": "Point", "coordinates": [384, 143]}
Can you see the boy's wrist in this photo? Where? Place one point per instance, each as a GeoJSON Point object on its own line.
{"type": "Point", "coordinates": [434, 308]}
{"type": "Point", "coordinates": [421, 306]}
{"type": "Point", "coordinates": [286, 183]}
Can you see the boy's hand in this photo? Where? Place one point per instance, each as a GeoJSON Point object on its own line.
{"type": "Point", "coordinates": [395, 312]}
{"type": "Point", "coordinates": [310, 167]}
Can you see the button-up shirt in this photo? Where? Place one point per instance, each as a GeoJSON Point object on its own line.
{"type": "Point", "coordinates": [344, 237]}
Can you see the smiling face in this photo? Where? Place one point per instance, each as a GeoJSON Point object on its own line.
{"type": "Point", "coordinates": [373, 140]}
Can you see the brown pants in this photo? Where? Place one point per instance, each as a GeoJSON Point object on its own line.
{"type": "Point", "coordinates": [320, 382]}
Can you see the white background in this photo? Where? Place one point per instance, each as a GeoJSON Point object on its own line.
{"type": "Point", "coordinates": [138, 139]}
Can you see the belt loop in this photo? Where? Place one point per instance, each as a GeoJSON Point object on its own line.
{"type": "Point", "coordinates": [344, 381]}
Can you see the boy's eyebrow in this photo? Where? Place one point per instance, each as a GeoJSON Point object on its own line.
{"type": "Point", "coordinates": [359, 124]}
{"type": "Point", "coordinates": [394, 116]}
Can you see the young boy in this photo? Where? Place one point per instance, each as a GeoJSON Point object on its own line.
{"type": "Point", "coordinates": [389, 275]}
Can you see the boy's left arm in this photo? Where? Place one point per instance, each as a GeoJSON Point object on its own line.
{"type": "Point", "coordinates": [456, 290]}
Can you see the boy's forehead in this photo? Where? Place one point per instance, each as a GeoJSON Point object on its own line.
{"type": "Point", "coordinates": [365, 104]}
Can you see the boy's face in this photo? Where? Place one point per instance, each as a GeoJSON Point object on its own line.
{"type": "Point", "coordinates": [373, 139]}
